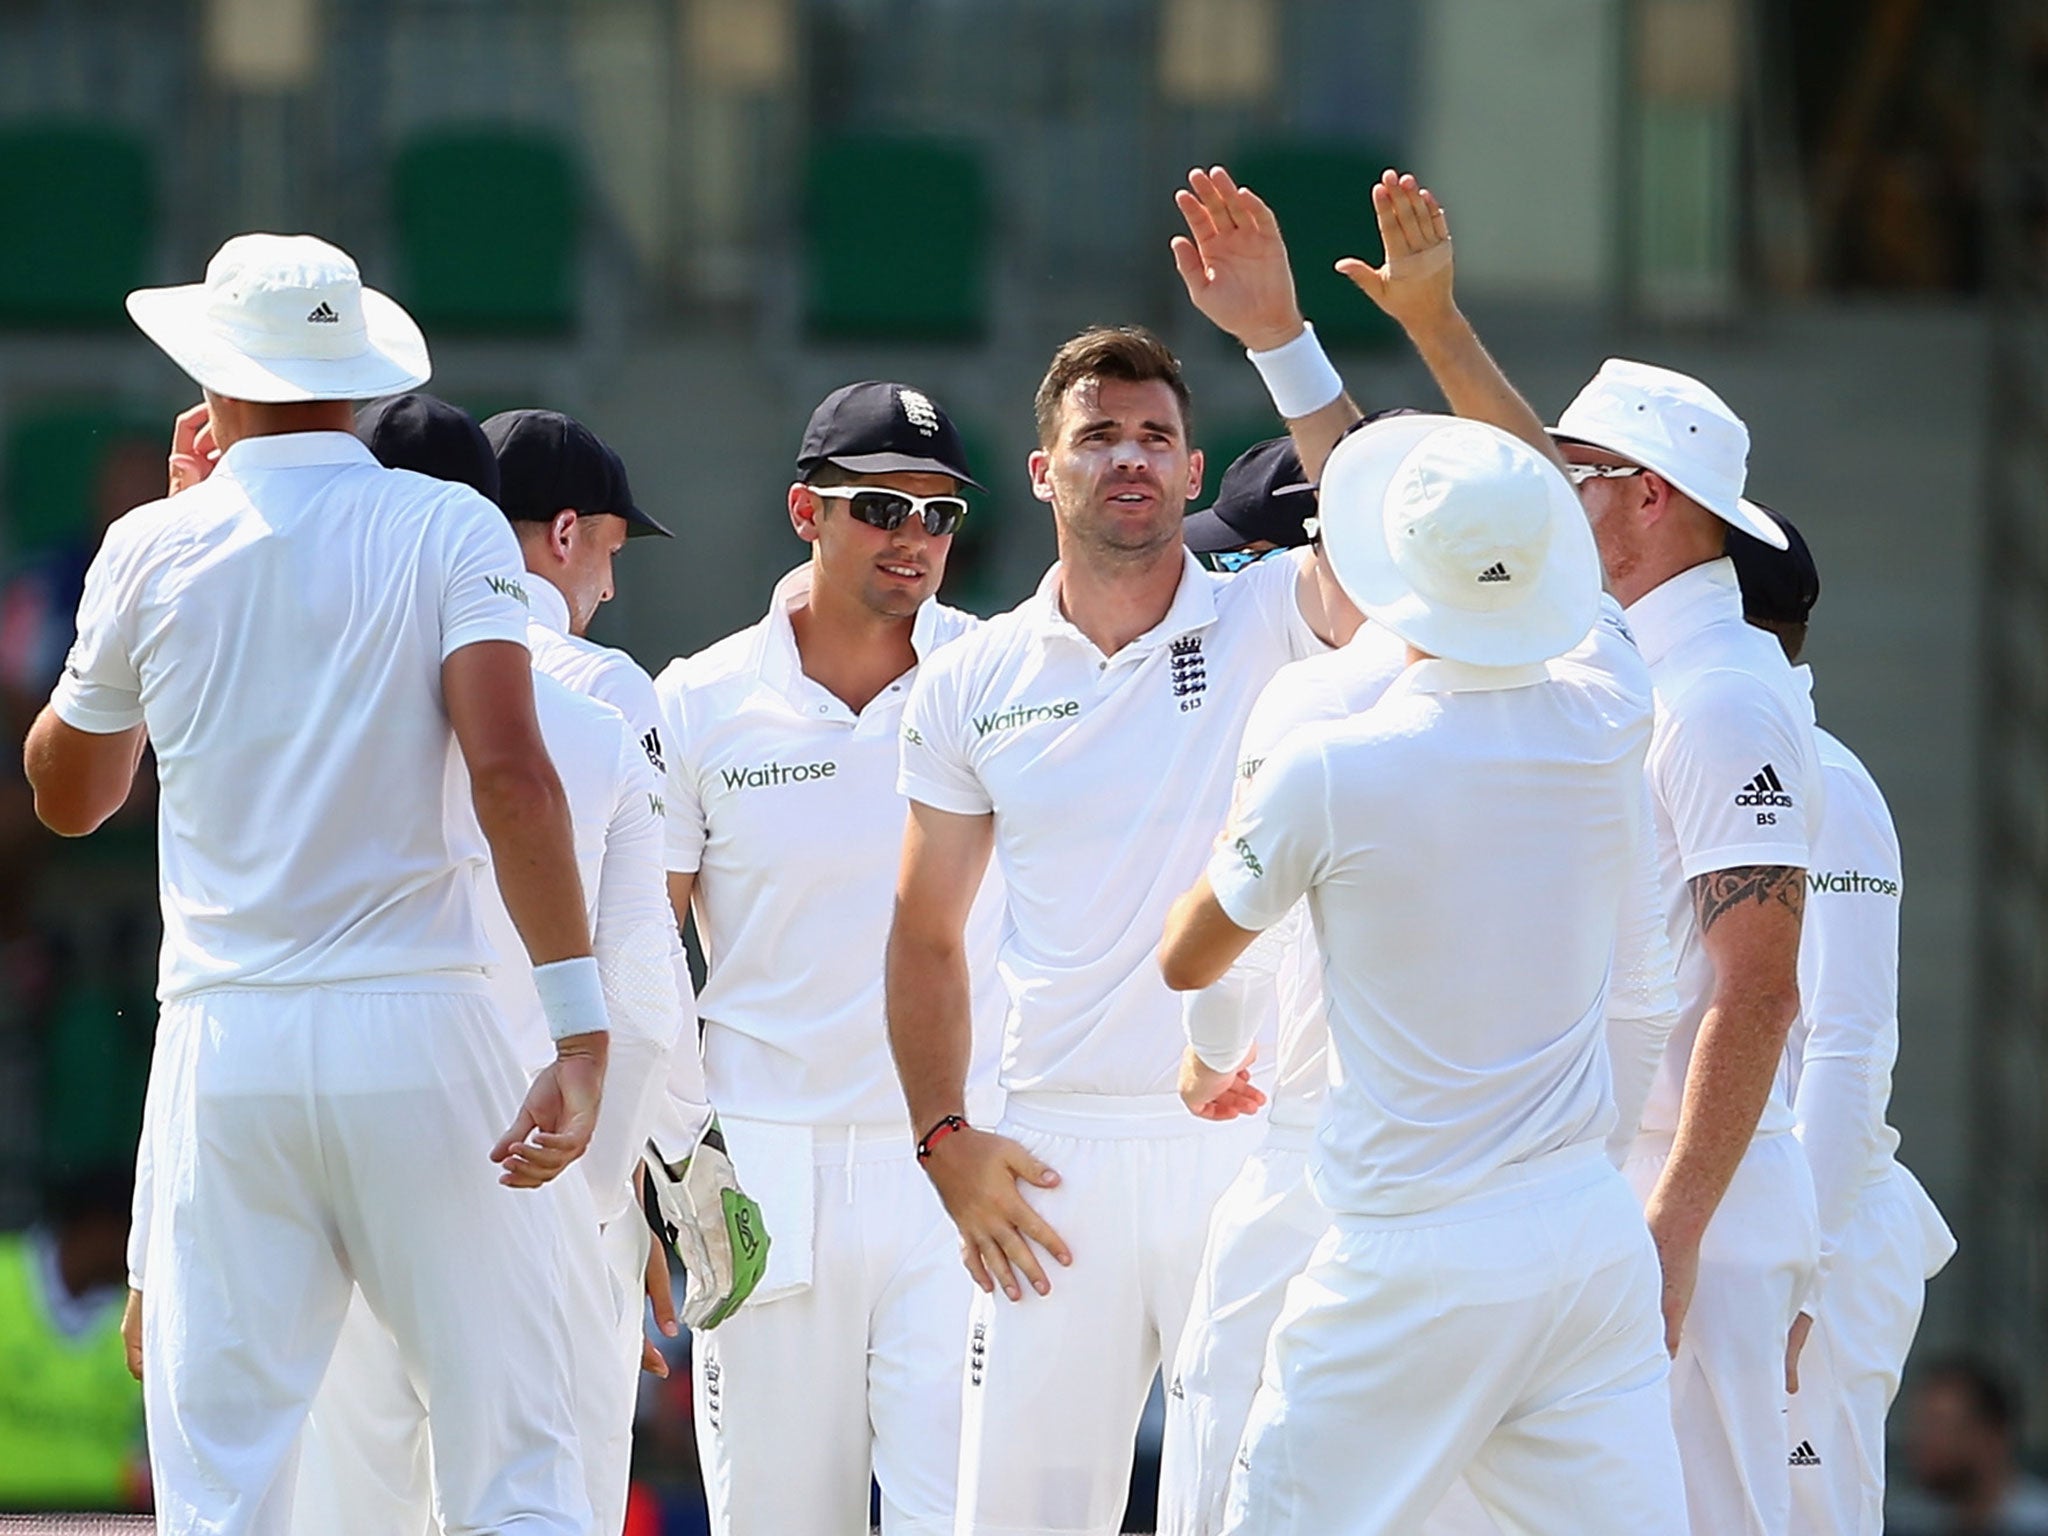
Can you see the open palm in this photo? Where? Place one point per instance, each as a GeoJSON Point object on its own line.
{"type": "Point", "coordinates": [1234, 262]}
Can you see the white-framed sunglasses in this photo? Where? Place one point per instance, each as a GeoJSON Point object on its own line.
{"type": "Point", "coordinates": [886, 509]}
{"type": "Point", "coordinates": [1579, 474]}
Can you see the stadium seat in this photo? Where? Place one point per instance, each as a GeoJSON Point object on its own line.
{"type": "Point", "coordinates": [896, 237]}
{"type": "Point", "coordinates": [486, 223]}
{"type": "Point", "coordinates": [80, 207]}
{"type": "Point", "coordinates": [1322, 193]}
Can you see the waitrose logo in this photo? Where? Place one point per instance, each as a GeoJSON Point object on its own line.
{"type": "Point", "coordinates": [1849, 882]}
{"type": "Point", "coordinates": [1025, 714]}
{"type": "Point", "coordinates": [768, 775]}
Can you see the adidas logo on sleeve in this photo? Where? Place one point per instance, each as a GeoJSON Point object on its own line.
{"type": "Point", "coordinates": [1764, 789]}
{"type": "Point", "coordinates": [1804, 1455]}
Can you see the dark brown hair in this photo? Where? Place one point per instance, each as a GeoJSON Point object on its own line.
{"type": "Point", "coordinates": [1130, 353]}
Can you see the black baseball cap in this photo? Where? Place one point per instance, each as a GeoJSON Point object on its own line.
{"type": "Point", "coordinates": [875, 428]}
{"type": "Point", "coordinates": [427, 435]}
{"type": "Point", "coordinates": [549, 463]}
{"type": "Point", "coordinates": [1265, 495]}
{"type": "Point", "coordinates": [1779, 586]}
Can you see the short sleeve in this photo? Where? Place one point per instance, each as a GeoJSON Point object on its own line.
{"type": "Point", "coordinates": [622, 683]}
{"type": "Point", "coordinates": [936, 769]}
{"type": "Point", "coordinates": [482, 578]}
{"type": "Point", "coordinates": [100, 690]}
{"type": "Point", "coordinates": [1732, 769]}
{"type": "Point", "coordinates": [683, 801]}
{"type": "Point", "coordinates": [1277, 844]}
{"type": "Point", "coordinates": [1276, 584]}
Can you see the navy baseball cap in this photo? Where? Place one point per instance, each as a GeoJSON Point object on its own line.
{"type": "Point", "coordinates": [1779, 586]}
{"type": "Point", "coordinates": [549, 463]}
{"type": "Point", "coordinates": [876, 428]}
{"type": "Point", "coordinates": [1265, 495]}
{"type": "Point", "coordinates": [426, 434]}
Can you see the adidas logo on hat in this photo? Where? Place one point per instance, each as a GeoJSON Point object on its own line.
{"type": "Point", "coordinates": [323, 314]}
{"type": "Point", "coordinates": [1495, 572]}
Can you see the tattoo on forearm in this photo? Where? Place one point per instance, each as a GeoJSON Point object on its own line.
{"type": "Point", "coordinates": [1717, 893]}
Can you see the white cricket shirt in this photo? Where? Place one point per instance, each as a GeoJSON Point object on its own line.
{"type": "Point", "coordinates": [280, 629]}
{"type": "Point", "coordinates": [1107, 777]}
{"type": "Point", "coordinates": [783, 803]}
{"type": "Point", "coordinates": [1734, 777]}
{"type": "Point", "coordinates": [1467, 847]}
{"type": "Point", "coordinates": [595, 671]}
{"type": "Point", "coordinates": [1845, 1042]}
{"type": "Point", "coordinates": [1319, 689]}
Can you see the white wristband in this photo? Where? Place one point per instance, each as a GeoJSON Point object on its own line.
{"type": "Point", "coordinates": [1299, 375]}
{"type": "Point", "coordinates": [1215, 1018]}
{"type": "Point", "coordinates": [572, 997]}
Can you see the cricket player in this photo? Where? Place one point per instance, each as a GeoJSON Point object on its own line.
{"type": "Point", "coordinates": [1088, 738]}
{"type": "Point", "coordinates": [566, 493]}
{"type": "Point", "coordinates": [1485, 1300]}
{"type": "Point", "coordinates": [365, 1460]}
{"type": "Point", "coordinates": [1265, 1227]}
{"type": "Point", "coordinates": [1881, 1237]}
{"type": "Point", "coordinates": [1735, 775]}
{"type": "Point", "coordinates": [310, 643]}
{"type": "Point", "coordinates": [785, 825]}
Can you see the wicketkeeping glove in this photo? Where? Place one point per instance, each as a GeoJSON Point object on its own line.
{"type": "Point", "coordinates": [714, 1229]}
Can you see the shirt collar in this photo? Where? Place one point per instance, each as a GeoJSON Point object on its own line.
{"type": "Point", "coordinates": [295, 450]}
{"type": "Point", "coordinates": [781, 666]}
{"type": "Point", "coordinates": [1435, 674]}
{"type": "Point", "coordinates": [546, 605]}
{"type": "Point", "coordinates": [1193, 607]}
{"type": "Point", "coordinates": [1685, 604]}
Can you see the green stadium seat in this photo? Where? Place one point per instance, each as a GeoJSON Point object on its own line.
{"type": "Point", "coordinates": [486, 221]}
{"type": "Point", "coordinates": [1322, 194]}
{"type": "Point", "coordinates": [50, 487]}
{"type": "Point", "coordinates": [79, 201]}
{"type": "Point", "coordinates": [896, 240]}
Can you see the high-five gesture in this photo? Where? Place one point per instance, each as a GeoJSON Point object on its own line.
{"type": "Point", "coordinates": [1234, 262]}
{"type": "Point", "coordinates": [1414, 287]}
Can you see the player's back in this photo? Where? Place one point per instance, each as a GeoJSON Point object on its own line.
{"type": "Point", "coordinates": [1483, 836]}
{"type": "Point", "coordinates": [285, 624]}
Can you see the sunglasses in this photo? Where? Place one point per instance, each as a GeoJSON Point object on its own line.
{"type": "Point", "coordinates": [887, 510]}
{"type": "Point", "coordinates": [1229, 561]}
{"type": "Point", "coordinates": [1579, 474]}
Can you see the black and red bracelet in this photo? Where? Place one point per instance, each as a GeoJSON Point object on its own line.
{"type": "Point", "coordinates": [937, 1134]}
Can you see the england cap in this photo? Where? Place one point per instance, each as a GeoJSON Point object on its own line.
{"type": "Point", "coordinates": [877, 428]}
{"type": "Point", "coordinates": [426, 434]}
{"type": "Point", "coordinates": [1779, 586]}
{"type": "Point", "coordinates": [549, 463]}
{"type": "Point", "coordinates": [1264, 497]}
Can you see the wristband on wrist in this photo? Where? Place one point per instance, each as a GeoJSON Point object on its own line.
{"type": "Point", "coordinates": [1299, 375]}
{"type": "Point", "coordinates": [571, 996]}
{"type": "Point", "coordinates": [937, 1134]}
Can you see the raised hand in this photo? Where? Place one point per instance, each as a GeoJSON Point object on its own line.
{"type": "Point", "coordinates": [1234, 262]}
{"type": "Point", "coordinates": [193, 451]}
{"type": "Point", "coordinates": [1414, 287]}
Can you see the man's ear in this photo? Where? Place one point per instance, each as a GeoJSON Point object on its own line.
{"type": "Point", "coordinates": [1656, 503]}
{"type": "Point", "coordinates": [1040, 465]}
{"type": "Point", "coordinates": [803, 511]}
{"type": "Point", "coordinates": [1195, 462]}
{"type": "Point", "coordinates": [561, 529]}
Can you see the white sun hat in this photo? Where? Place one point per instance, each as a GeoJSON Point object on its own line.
{"type": "Point", "coordinates": [283, 318]}
{"type": "Point", "coordinates": [1462, 540]}
{"type": "Point", "coordinates": [1675, 425]}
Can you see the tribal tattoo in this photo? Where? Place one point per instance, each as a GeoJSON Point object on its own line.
{"type": "Point", "coordinates": [1718, 892]}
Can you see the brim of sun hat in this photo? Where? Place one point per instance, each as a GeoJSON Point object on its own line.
{"type": "Point", "coordinates": [393, 359]}
{"type": "Point", "coordinates": [1554, 616]}
{"type": "Point", "coordinates": [1738, 513]}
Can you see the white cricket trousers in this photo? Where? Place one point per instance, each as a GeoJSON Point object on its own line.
{"type": "Point", "coordinates": [802, 1399]}
{"type": "Point", "coordinates": [1513, 1334]}
{"type": "Point", "coordinates": [1262, 1233]}
{"type": "Point", "coordinates": [1849, 1371]}
{"type": "Point", "coordinates": [1728, 1398]}
{"type": "Point", "coordinates": [364, 1464]}
{"type": "Point", "coordinates": [311, 1140]}
{"type": "Point", "coordinates": [1056, 1384]}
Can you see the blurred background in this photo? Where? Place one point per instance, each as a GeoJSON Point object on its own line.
{"type": "Point", "coordinates": [685, 221]}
